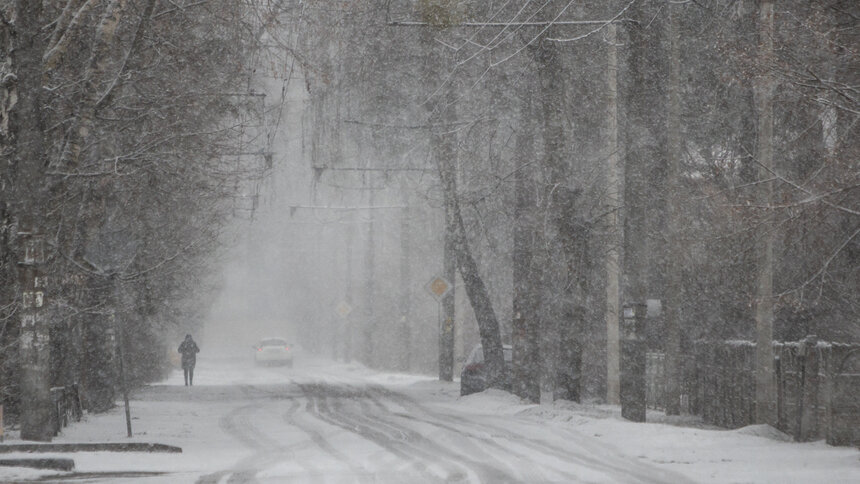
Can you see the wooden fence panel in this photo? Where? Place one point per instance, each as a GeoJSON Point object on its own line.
{"type": "Point", "coordinates": [791, 383]}
{"type": "Point", "coordinates": [818, 387]}
{"type": "Point", "coordinates": [843, 427]}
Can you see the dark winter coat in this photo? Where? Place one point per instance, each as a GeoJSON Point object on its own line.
{"type": "Point", "coordinates": [189, 351]}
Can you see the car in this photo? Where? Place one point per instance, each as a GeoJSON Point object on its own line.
{"type": "Point", "coordinates": [273, 351]}
{"type": "Point", "coordinates": [473, 377]}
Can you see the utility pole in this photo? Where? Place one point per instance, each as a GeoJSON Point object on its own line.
{"type": "Point", "coordinates": [444, 153]}
{"type": "Point", "coordinates": [348, 350]}
{"type": "Point", "coordinates": [405, 289]}
{"type": "Point", "coordinates": [524, 334]}
{"type": "Point", "coordinates": [615, 193]}
{"type": "Point", "coordinates": [369, 286]}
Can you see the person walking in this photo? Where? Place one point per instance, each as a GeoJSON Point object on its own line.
{"type": "Point", "coordinates": [189, 351]}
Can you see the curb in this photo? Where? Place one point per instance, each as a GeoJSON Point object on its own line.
{"type": "Point", "coordinates": [53, 464]}
{"type": "Point", "coordinates": [91, 447]}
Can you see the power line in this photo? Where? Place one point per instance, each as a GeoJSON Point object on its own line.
{"type": "Point", "coordinates": [515, 24]}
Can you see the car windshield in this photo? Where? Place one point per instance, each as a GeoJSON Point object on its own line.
{"type": "Point", "coordinates": [273, 342]}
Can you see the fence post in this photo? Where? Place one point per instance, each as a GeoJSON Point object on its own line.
{"type": "Point", "coordinates": [828, 395]}
{"type": "Point", "coordinates": [750, 385]}
{"type": "Point", "coordinates": [845, 411]}
{"type": "Point", "coordinates": [731, 366]}
{"type": "Point", "coordinates": [724, 386]}
{"type": "Point", "coordinates": [738, 387]}
{"type": "Point", "coordinates": [809, 416]}
{"type": "Point", "coordinates": [713, 386]}
{"type": "Point", "coordinates": [800, 378]}
{"type": "Point", "coordinates": [707, 374]}
{"type": "Point", "coordinates": [780, 390]}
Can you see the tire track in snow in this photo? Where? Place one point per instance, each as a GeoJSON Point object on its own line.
{"type": "Point", "coordinates": [513, 464]}
{"type": "Point", "coordinates": [318, 438]}
{"type": "Point", "coordinates": [335, 415]}
{"type": "Point", "coordinates": [625, 470]}
{"type": "Point", "coordinates": [267, 450]}
{"type": "Point", "coordinates": [389, 434]}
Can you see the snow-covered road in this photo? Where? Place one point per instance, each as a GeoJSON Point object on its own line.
{"type": "Point", "coordinates": [333, 423]}
{"type": "Point", "coordinates": [335, 432]}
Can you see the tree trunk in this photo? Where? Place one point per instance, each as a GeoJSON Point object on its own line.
{"type": "Point", "coordinates": [8, 96]}
{"type": "Point", "coordinates": [96, 68]}
{"type": "Point", "coordinates": [765, 390]}
{"type": "Point", "coordinates": [488, 325]}
{"type": "Point", "coordinates": [574, 232]}
{"type": "Point", "coordinates": [642, 154]}
{"type": "Point", "coordinates": [31, 198]}
{"type": "Point", "coordinates": [674, 250]}
{"type": "Point", "coordinates": [550, 76]}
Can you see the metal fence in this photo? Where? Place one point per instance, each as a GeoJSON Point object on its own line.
{"type": "Point", "coordinates": [655, 380]}
{"type": "Point", "coordinates": [655, 383]}
{"type": "Point", "coordinates": [818, 387]}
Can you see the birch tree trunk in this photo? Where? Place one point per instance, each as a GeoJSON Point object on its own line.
{"type": "Point", "coordinates": [96, 68]}
{"type": "Point", "coordinates": [30, 198]}
{"type": "Point", "coordinates": [101, 78]}
{"type": "Point", "coordinates": [8, 287]}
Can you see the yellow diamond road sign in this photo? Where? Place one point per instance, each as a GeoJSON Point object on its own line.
{"type": "Point", "coordinates": [439, 287]}
{"type": "Point", "coordinates": [343, 309]}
